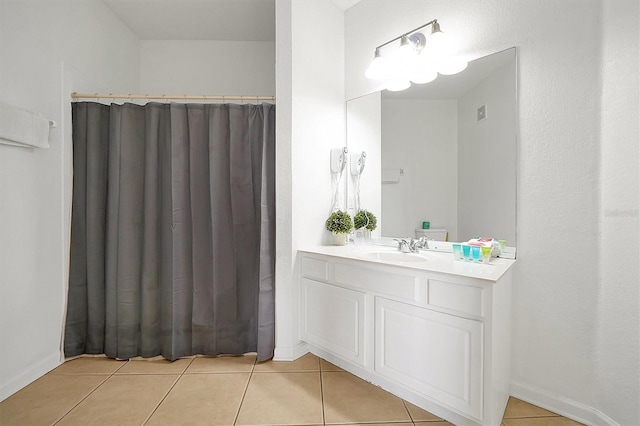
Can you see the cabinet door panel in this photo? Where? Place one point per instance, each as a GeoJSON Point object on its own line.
{"type": "Point", "coordinates": [333, 318]}
{"type": "Point", "coordinates": [436, 354]}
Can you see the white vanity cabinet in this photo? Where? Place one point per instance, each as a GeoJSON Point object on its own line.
{"type": "Point", "coordinates": [438, 340]}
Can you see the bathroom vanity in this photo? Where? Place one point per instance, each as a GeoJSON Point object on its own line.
{"type": "Point", "coordinates": [429, 329]}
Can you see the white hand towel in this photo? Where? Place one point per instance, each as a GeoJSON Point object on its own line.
{"type": "Point", "coordinates": [486, 242]}
{"type": "Point", "coordinates": [391, 175]}
{"type": "Point", "coordinates": [23, 128]}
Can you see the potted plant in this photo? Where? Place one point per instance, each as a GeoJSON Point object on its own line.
{"type": "Point", "coordinates": [364, 221]}
{"type": "Point", "coordinates": [339, 223]}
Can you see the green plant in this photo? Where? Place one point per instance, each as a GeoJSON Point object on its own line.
{"type": "Point", "coordinates": [339, 222]}
{"type": "Point", "coordinates": [365, 218]}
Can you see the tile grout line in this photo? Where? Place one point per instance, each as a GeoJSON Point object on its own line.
{"type": "Point", "coordinates": [246, 388]}
{"type": "Point", "coordinates": [324, 419]}
{"type": "Point", "coordinates": [404, 404]}
{"type": "Point", "coordinates": [82, 399]}
{"type": "Point", "coordinates": [167, 393]}
{"type": "Point", "coordinates": [90, 393]}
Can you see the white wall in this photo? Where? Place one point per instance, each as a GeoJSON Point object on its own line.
{"type": "Point", "coordinates": [618, 347]}
{"type": "Point", "coordinates": [286, 340]}
{"type": "Point", "coordinates": [558, 361]}
{"type": "Point", "coordinates": [487, 159]}
{"type": "Point", "coordinates": [310, 121]}
{"type": "Point", "coordinates": [420, 137]}
{"type": "Point", "coordinates": [47, 50]}
{"type": "Point", "coordinates": [208, 67]}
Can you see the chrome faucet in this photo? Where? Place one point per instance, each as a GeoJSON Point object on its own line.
{"type": "Point", "coordinates": [412, 246]}
{"type": "Point", "coordinates": [423, 243]}
{"type": "Point", "coordinates": [404, 246]}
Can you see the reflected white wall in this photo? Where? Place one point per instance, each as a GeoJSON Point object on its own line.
{"type": "Point", "coordinates": [364, 134]}
{"type": "Point", "coordinates": [487, 158]}
{"type": "Point", "coordinates": [420, 137]}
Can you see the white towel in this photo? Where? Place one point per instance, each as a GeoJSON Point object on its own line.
{"type": "Point", "coordinates": [23, 128]}
{"type": "Point", "coordinates": [391, 175]}
{"type": "Point", "coordinates": [486, 242]}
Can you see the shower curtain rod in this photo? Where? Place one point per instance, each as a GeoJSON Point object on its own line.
{"type": "Point", "coordinates": [222, 98]}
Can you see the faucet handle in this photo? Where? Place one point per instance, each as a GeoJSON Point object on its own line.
{"type": "Point", "coordinates": [418, 244]}
{"type": "Point", "coordinates": [424, 242]}
{"type": "Point", "coordinates": [403, 245]}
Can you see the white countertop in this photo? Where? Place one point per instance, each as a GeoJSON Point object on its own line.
{"type": "Point", "coordinates": [432, 261]}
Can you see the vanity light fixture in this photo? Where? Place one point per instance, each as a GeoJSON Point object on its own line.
{"type": "Point", "coordinates": [419, 59]}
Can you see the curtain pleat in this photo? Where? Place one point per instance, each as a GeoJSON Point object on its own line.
{"type": "Point", "coordinates": [173, 230]}
{"type": "Point", "coordinates": [267, 225]}
{"type": "Point", "coordinates": [85, 324]}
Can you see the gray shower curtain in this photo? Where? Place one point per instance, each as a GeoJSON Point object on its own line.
{"type": "Point", "coordinates": [173, 230]}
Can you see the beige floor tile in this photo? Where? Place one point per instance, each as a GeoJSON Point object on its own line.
{"type": "Point", "coordinates": [282, 399]}
{"type": "Point", "coordinates": [540, 421]}
{"type": "Point", "coordinates": [420, 415]}
{"type": "Point", "coordinates": [375, 424]}
{"type": "Point", "coordinates": [199, 399]}
{"type": "Point", "coordinates": [440, 423]}
{"type": "Point", "coordinates": [327, 366]}
{"type": "Point", "coordinates": [307, 362]}
{"type": "Point", "coordinates": [156, 366]}
{"type": "Point", "coordinates": [46, 400]}
{"type": "Point", "coordinates": [283, 393]}
{"type": "Point", "coordinates": [222, 364]}
{"type": "Point", "coordinates": [121, 400]}
{"type": "Point", "coordinates": [89, 365]}
{"type": "Point", "coordinates": [349, 399]}
{"type": "Point", "coordinates": [518, 408]}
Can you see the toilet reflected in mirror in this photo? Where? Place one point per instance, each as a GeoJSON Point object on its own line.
{"type": "Point", "coordinates": [438, 234]}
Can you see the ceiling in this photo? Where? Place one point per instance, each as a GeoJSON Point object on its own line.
{"type": "Point", "coordinates": [225, 20]}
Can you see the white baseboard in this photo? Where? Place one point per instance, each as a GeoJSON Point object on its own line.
{"type": "Point", "coordinates": [558, 404]}
{"type": "Point", "coordinates": [16, 383]}
{"type": "Point", "coordinates": [290, 353]}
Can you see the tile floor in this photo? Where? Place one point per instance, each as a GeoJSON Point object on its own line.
{"type": "Point", "coordinates": [221, 391]}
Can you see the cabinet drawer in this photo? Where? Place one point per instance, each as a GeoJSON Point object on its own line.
{"type": "Point", "coordinates": [388, 283]}
{"type": "Point", "coordinates": [315, 268]}
{"type": "Point", "coordinates": [460, 298]}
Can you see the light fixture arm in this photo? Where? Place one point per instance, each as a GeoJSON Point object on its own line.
{"type": "Point", "coordinates": [434, 21]}
{"type": "Point", "coordinates": [410, 64]}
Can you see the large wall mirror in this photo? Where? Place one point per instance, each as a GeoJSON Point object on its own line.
{"type": "Point", "coordinates": [448, 151]}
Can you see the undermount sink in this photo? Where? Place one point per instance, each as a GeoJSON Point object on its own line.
{"type": "Point", "coordinates": [393, 256]}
